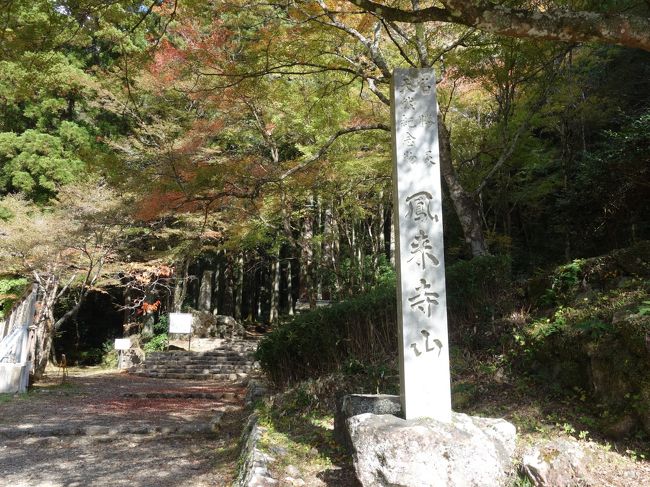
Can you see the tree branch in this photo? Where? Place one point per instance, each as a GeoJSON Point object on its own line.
{"type": "Point", "coordinates": [325, 147]}
{"type": "Point", "coordinates": [553, 24]}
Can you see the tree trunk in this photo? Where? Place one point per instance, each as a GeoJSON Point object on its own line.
{"type": "Point", "coordinates": [306, 261]}
{"type": "Point", "coordinates": [43, 336]}
{"type": "Point", "coordinates": [465, 206]}
{"type": "Point", "coordinates": [389, 239]}
{"type": "Point", "coordinates": [275, 289]}
{"type": "Point", "coordinates": [180, 287]}
{"type": "Point", "coordinates": [239, 287]}
{"type": "Point", "coordinates": [290, 301]}
{"type": "Point", "coordinates": [205, 292]}
{"type": "Point", "coordinates": [216, 288]}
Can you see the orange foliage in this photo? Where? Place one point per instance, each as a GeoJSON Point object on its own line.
{"type": "Point", "coordinates": [148, 308]}
{"type": "Point", "coordinates": [154, 205]}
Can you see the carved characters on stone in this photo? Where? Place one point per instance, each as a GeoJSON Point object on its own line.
{"type": "Point", "coordinates": [423, 120]}
{"type": "Point", "coordinates": [422, 83]}
{"type": "Point", "coordinates": [421, 250]}
{"type": "Point", "coordinates": [410, 157]}
{"type": "Point", "coordinates": [424, 298]}
{"type": "Point", "coordinates": [429, 159]}
{"type": "Point", "coordinates": [419, 207]}
{"type": "Point", "coordinates": [427, 120]}
{"type": "Point", "coordinates": [430, 344]}
{"type": "Point", "coordinates": [424, 364]}
{"type": "Point", "coordinates": [409, 140]}
{"type": "Point", "coordinates": [409, 123]}
{"type": "Point", "coordinates": [408, 102]}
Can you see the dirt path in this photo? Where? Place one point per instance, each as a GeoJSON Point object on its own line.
{"type": "Point", "coordinates": [101, 429]}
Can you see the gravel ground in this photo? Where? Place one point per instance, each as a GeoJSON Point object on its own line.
{"type": "Point", "coordinates": [92, 402]}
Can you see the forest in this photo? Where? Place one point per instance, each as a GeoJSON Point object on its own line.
{"type": "Point", "coordinates": [233, 157]}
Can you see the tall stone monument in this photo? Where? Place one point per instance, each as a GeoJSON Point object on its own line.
{"type": "Point", "coordinates": [421, 293]}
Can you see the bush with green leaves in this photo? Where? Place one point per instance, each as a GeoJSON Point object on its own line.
{"type": "Point", "coordinates": [11, 288]}
{"type": "Point", "coordinates": [162, 326]}
{"type": "Point", "coordinates": [157, 344]}
{"type": "Point", "coordinates": [109, 355]}
{"type": "Point", "coordinates": [362, 332]}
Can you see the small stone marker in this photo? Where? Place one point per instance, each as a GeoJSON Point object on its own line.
{"type": "Point", "coordinates": [421, 294]}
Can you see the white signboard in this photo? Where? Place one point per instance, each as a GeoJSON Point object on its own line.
{"type": "Point", "coordinates": [180, 322]}
{"type": "Point", "coordinates": [122, 343]}
{"type": "Point", "coordinates": [422, 309]}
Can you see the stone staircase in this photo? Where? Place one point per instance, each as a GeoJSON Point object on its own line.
{"type": "Point", "coordinates": [232, 361]}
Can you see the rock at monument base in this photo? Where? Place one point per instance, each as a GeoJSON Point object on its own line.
{"type": "Point", "coordinates": [354, 404]}
{"type": "Point", "coordinates": [556, 463]}
{"type": "Point", "coordinates": [468, 452]}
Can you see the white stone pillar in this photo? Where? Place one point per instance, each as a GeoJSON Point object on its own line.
{"type": "Point", "coordinates": [421, 297]}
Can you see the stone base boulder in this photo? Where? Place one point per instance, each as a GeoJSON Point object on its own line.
{"type": "Point", "coordinates": [468, 452]}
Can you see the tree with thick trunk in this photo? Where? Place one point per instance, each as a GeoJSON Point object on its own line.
{"type": "Point", "coordinates": [464, 204]}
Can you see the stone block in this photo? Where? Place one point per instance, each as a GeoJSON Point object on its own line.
{"type": "Point", "coordinates": [354, 404]}
{"type": "Point", "coordinates": [467, 452]}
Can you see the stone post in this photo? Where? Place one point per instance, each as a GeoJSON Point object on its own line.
{"type": "Point", "coordinates": [421, 296]}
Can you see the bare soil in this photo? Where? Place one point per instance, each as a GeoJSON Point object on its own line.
{"type": "Point", "coordinates": [96, 398]}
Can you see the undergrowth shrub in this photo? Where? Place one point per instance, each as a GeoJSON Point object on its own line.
{"type": "Point", "coordinates": [109, 355]}
{"type": "Point", "coordinates": [479, 293]}
{"type": "Point", "coordinates": [157, 343]}
{"type": "Point", "coordinates": [361, 333]}
{"type": "Point", "coordinates": [326, 339]}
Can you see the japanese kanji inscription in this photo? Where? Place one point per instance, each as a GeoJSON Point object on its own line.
{"type": "Point", "coordinates": [422, 313]}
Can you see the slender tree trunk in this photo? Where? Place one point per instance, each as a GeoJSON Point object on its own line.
{"type": "Point", "coordinates": [228, 298]}
{"type": "Point", "coordinates": [465, 206]}
{"type": "Point", "coordinates": [239, 287]}
{"type": "Point", "coordinates": [306, 261]}
{"type": "Point", "coordinates": [48, 291]}
{"type": "Point", "coordinates": [205, 292]}
{"type": "Point", "coordinates": [215, 290]}
{"type": "Point", "coordinates": [388, 240]}
{"type": "Point", "coordinates": [290, 301]}
{"type": "Point", "coordinates": [180, 287]}
{"type": "Point", "coordinates": [275, 291]}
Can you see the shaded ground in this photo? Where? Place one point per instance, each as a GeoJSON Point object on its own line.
{"type": "Point", "coordinates": [539, 416]}
{"type": "Point", "coordinates": [95, 398]}
{"type": "Point", "coordinates": [300, 438]}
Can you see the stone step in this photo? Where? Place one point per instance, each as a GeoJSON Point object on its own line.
{"type": "Point", "coordinates": [198, 365]}
{"type": "Point", "coordinates": [201, 370]}
{"type": "Point", "coordinates": [163, 375]}
{"type": "Point", "coordinates": [216, 396]}
{"type": "Point", "coordinates": [195, 372]}
{"type": "Point", "coordinates": [211, 354]}
{"type": "Point", "coordinates": [234, 358]}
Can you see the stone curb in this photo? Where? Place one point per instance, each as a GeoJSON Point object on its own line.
{"type": "Point", "coordinates": [253, 468]}
{"type": "Point", "coordinates": [109, 431]}
{"type": "Point", "coordinates": [183, 395]}
{"type": "Point", "coordinates": [254, 471]}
